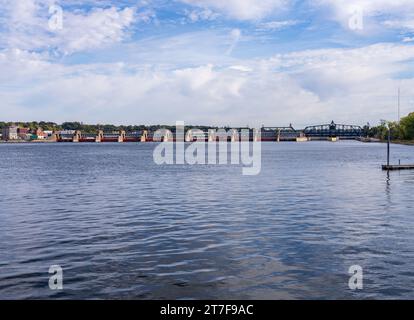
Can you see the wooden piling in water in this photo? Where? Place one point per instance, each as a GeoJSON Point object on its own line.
{"type": "Point", "coordinates": [388, 166]}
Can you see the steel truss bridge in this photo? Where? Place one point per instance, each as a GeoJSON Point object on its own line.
{"type": "Point", "coordinates": [334, 130]}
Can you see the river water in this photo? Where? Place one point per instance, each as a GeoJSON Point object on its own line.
{"type": "Point", "coordinates": [121, 226]}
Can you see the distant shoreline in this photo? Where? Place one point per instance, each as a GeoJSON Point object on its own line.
{"type": "Point", "coordinates": [26, 142]}
{"type": "Point", "coordinates": [399, 142]}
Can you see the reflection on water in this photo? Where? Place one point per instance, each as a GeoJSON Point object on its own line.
{"type": "Point", "coordinates": [122, 227]}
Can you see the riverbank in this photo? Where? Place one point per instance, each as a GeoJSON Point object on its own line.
{"type": "Point", "coordinates": [375, 140]}
{"type": "Point", "coordinates": [404, 142]}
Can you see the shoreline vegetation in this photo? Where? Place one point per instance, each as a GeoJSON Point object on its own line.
{"type": "Point", "coordinates": [402, 132]}
{"type": "Point", "coordinates": [407, 143]}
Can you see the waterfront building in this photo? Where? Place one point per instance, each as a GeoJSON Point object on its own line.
{"type": "Point", "coordinates": [23, 132]}
{"type": "Point", "coordinates": [40, 135]}
{"type": "Point", "coordinates": [48, 134]}
{"type": "Point", "coordinates": [10, 133]}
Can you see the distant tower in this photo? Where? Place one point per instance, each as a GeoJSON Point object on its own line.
{"type": "Point", "coordinates": [399, 105]}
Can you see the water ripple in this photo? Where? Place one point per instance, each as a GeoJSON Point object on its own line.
{"type": "Point", "coordinates": [122, 227]}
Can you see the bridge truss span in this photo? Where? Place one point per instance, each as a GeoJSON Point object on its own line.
{"type": "Point", "coordinates": [343, 131]}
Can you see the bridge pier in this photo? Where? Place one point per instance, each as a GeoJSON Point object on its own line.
{"type": "Point", "coordinates": [55, 137]}
{"type": "Point", "coordinates": [122, 136]}
{"type": "Point", "coordinates": [302, 138]}
{"type": "Point", "coordinates": [77, 136]}
{"type": "Point", "coordinates": [99, 136]}
{"type": "Point", "coordinates": [212, 136]}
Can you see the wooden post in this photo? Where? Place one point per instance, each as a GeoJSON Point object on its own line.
{"type": "Point", "coordinates": [388, 146]}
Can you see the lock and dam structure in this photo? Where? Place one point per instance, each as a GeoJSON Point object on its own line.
{"type": "Point", "coordinates": [331, 132]}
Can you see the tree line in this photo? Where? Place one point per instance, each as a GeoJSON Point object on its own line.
{"type": "Point", "coordinates": [87, 128]}
{"type": "Point", "coordinates": [404, 130]}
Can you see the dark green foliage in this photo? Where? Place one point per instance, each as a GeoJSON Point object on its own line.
{"type": "Point", "coordinates": [402, 131]}
{"type": "Point", "coordinates": [407, 126]}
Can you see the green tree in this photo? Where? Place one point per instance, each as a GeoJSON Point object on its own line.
{"type": "Point", "coordinates": [407, 127]}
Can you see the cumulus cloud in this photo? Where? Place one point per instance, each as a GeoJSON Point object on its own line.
{"type": "Point", "coordinates": [26, 26]}
{"type": "Point", "coordinates": [299, 87]}
{"type": "Point", "coordinates": [94, 29]}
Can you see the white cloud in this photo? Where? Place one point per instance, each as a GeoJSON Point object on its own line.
{"type": "Point", "coordinates": [242, 9]}
{"type": "Point", "coordinates": [277, 25]}
{"type": "Point", "coordinates": [241, 68]}
{"type": "Point", "coordinates": [26, 26]}
{"type": "Point", "coordinates": [201, 15]}
{"type": "Point", "coordinates": [95, 29]}
{"type": "Point", "coordinates": [349, 85]}
{"type": "Point", "coordinates": [405, 24]}
{"type": "Point", "coordinates": [408, 39]}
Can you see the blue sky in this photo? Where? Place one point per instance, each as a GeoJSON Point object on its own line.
{"type": "Point", "coordinates": [234, 62]}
